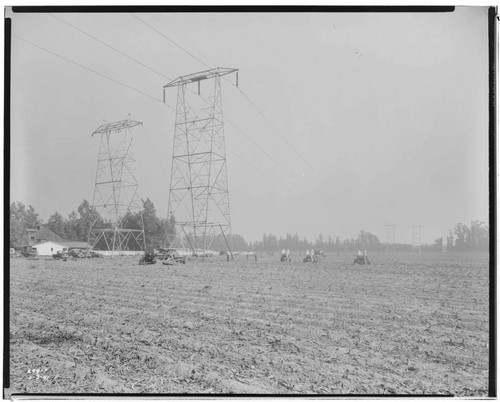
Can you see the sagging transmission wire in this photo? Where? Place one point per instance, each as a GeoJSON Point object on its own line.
{"type": "Point", "coordinates": [227, 119]}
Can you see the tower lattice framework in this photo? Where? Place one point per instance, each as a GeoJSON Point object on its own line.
{"type": "Point", "coordinates": [390, 238]}
{"type": "Point", "coordinates": [199, 194]}
{"type": "Point", "coordinates": [416, 237]}
{"type": "Point", "coordinates": [115, 191]}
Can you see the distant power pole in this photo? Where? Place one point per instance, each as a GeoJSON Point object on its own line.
{"type": "Point", "coordinates": [416, 237]}
{"type": "Point", "coordinates": [199, 195]}
{"type": "Point", "coordinates": [390, 237]}
{"type": "Point", "coordinates": [115, 190]}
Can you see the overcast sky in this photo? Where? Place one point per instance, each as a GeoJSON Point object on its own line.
{"type": "Point", "coordinates": [388, 113]}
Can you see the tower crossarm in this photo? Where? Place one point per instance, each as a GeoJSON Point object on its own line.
{"type": "Point", "coordinates": [117, 126]}
{"type": "Point", "coordinates": [202, 75]}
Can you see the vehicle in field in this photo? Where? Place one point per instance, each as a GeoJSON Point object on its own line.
{"type": "Point", "coordinates": [28, 251]}
{"type": "Point", "coordinates": [285, 256]}
{"type": "Point", "coordinates": [317, 255]}
{"type": "Point", "coordinates": [60, 255]}
{"type": "Point", "coordinates": [76, 253]}
{"type": "Point", "coordinates": [148, 259]}
{"type": "Point", "coordinates": [362, 258]}
{"type": "Point", "coordinates": [93, 254]}
{"type": "Point", "coordinates": [171, 257]}
{"type": "Point", "coordinates": [14, 253]}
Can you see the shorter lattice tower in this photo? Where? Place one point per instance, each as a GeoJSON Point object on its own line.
{"type": "Point", "coordinates": [390, 238]}
{"type": "Point", "coordinates": [115, 192]}
{"type": "Point", "coordinates": [416, 238]}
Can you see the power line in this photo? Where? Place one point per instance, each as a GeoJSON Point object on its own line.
{"type": "Point", "coordinates": [111, 47]}
{"type": "Point", "coordinates": [262, 150]}
{"type": "Point", "coordinates": [47, 142]}
{"type": "Point", "coordinates": [276, 129]}
{"type": "Point", "coordinates": [171, 41]}
{"type": "Point", "coordinates": [257, 169]}
{"type": "Point", "coordinates": [236, 127]}
{"type": "Point", "coordinates": [92, 71]}
{"type": "Point", "coordinates": [243, 93]}
{"type": "Point", "coordinates": [56, 114]}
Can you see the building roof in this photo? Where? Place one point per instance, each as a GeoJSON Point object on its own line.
{"type": "Point", "coordinates": [74, 244]}
{"type": "Point", "coordinates": [66, 244]}
{"type": "Point", "coordinates": [46, 234]}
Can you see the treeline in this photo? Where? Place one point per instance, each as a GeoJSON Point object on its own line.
{"type": "Point", "coordinates": [465, 238]}
{"type": "Point", "coordinates": [78, 223]}
{"type": "Point", "coordinates": [364, 240]}
{"type": "Point", "coordinates": [157, 230]}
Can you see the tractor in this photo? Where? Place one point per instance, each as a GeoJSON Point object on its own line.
{"type": "Point", "coordinates": [285, 256]}
{"type": "Point", "coordinates": [362, 258]}
{"type": "Point", "coordinates": [148, 259]}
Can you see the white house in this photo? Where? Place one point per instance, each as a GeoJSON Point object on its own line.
{"type": "Point", "coordinates": [52, 247]}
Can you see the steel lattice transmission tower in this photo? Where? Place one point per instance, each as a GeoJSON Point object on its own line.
{"type": "Point", "coordinates": [416, 237]}
{"type": "Point", "coordinates": [390, 238]}
{"type": "Point", "coordinates": [199, 196]}
{"type": "Point", "coordinates": [115, 191]}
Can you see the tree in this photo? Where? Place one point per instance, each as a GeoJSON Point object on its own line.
{"type": "Point", "coordinates": [153, 230]}
{"type": "Point", "coordinates": [21, 218]}
{"type": "Point", "coordinates": [31, 219]}
{"type": "Point", "coordinates": [170, 231]}
{"type": "Point", "coordinates": [320, 242]}
{"type": "Point", "coordinates": [460, 233]}
{"type": "Point", "coordinates": [438, 244]}
{"type": "Point", "coordinates": [56, 224]}
{"type": "Point", "coordinates": [18, 235]}
{"type": "Point", "coordinates": [367, 241]}
{"type": "Point", "coordinates": [480, 235]}
{"type": "Point", "coordinates": [87, 216]}
{"type": "Point", "coordinates": [450, 241]}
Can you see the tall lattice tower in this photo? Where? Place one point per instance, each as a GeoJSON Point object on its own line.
{"type": "Point", "coordinates": [199, 196]}
{"type": "Point", "coordinates": [115, 191]}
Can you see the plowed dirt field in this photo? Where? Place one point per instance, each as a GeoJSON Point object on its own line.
{"type": "Point", "coordinates": [407, 324]}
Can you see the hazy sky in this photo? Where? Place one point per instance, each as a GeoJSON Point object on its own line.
{"type": "Point", "coordinates": [387, 111]}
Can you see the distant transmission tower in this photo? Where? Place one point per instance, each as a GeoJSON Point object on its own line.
{"type": "Point", "coordinates": [115, 191]}
{"type": "Point", "coordinates": [390, 237]}
{"type": "Point", "coordinates": [199, 196]}
{"type": "Point", "coordinates": [416, 237]}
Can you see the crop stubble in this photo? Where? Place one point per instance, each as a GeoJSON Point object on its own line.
{"type": "Point", "coordinates": [407, 324]}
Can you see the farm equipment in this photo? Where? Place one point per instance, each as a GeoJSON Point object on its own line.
{"type": "Point", "coordinates": [362, 258]}
{"type": "Point", "coordinates": [14, 253]}
{"type": "Point", "coordinates": [60, 255]}
{"type": "Point", "coordinates": [28, 252]}
{"type": "Point", "coordinates": [76, 253]}
{"type": "Point", "coordinates": [171, 257]}
{"type": "Point", "coordinates": [317, 255]}
{"type": "Point", "coordinates": [285, 256]}
{"type": "Point", "coordinates": [148, 259]}
{"type": "Point", "coordinates": [93, 254]}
